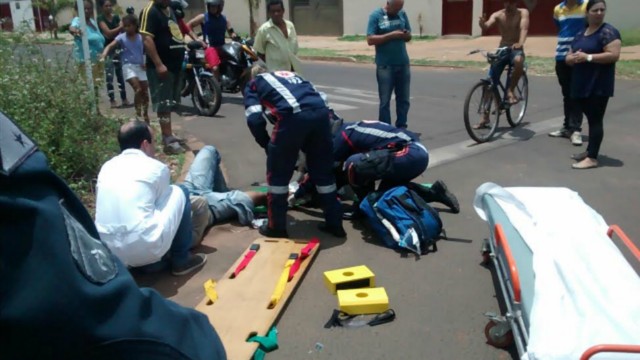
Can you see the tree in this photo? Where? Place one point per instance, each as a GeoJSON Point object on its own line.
{"type": "Point", "coordinates": [54, 7]}
{"type": "Point", "coordinates": [253, 5]}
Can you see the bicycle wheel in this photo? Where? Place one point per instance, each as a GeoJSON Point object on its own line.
{"type": "Point", "coordinates": [481, 112]}
{"type": "Point", "coordinates": [515, 113]}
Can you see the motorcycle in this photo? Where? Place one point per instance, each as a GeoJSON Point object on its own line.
{"type": "Point", "coordinates": [205, 90]}
{"type": "Point", "coordinates": [236, 59]}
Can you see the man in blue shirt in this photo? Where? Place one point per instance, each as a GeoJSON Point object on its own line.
{"type": "Point", "coordinates": [389, 30]}
{"type": "Point", "coordinates": [569, 17]}
{"type": "Point", "coordinates": [301, 122]}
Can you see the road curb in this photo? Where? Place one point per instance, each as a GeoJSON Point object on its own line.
{"type": "Point", "coordinates": [330, 58]}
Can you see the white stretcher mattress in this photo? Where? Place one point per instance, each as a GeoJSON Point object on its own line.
{"type": "Point", "coordinates": [586, 293]}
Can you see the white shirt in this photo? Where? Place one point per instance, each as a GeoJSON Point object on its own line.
{"type": "Point", "coordinates": [137, 210]}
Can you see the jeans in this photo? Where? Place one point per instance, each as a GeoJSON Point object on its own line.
{"type": "Point", "coordinates": [572, 112]}
{"type": "Point", "coordinates": [594, 108]}
{"type": "Point", "coordinates": [394, 78]}
{"type": "Point", "coordinates": [110, 67]}
{"type": "Point", "coordinates": [205, 179]}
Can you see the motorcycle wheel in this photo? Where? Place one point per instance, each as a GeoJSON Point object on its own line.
{"type": "Point", "coordinates": [208, 103]}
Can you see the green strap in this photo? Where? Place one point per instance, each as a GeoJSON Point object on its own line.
{"type": "Point", "coordinates": [265, 343]}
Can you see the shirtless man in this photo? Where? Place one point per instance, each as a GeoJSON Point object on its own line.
{"type": "Point", "coordinates": [514, 26]}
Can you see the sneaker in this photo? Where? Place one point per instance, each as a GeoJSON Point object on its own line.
{"type": "Point", "coordinates": [335, 231]}
{"type": "Point", "coordinates": [564, 132]}
{"type": "Point", "coordinates": [194, 263]}
{"type": "Point", "coordinates": [576, 138]}
{"type": "Point", "coordinates": [173, 148]}
{"type": "Point", "coordinates": [265, 230]}
{"type": "Point", "coordinates": [173, 138]}
{"type": "Point", "coordinates": [445, 197]}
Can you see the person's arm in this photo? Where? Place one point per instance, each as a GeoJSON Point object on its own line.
{"type": "Point", "coordinates": [186, 30]}
{"type": "Point", "coordinates": [253, 112]}
{"type": "Point", "coordinates": [107, 50]}
{"type": "Point", "coordinates": [196, 21]}
{"type": "Point", "coordinates": [609, 55]}
{"type": "Point", "coordinates": [407, 33]}
{"type": "Point", "coordinates": [259, 44]}
{"type": "Point", "coordinates": [294, 38]}
{"type": "Point", "coordinates": [109, 33]}
{"type": "Point", "coordinates": [148, 30]}
{"type": "Point", "coordinates": [231, 32]}
{"type": "Point", "coordinates": [377, 39]}
{"type": "Point", "coordinates": [487, 24]}
{"type": "Point", "coordinates": [524, 29]}
{"type": "Point", "coordinates": [74, 28]}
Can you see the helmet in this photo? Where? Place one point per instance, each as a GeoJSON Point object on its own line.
{"type": "Point", "coordinates": [178, 7]}
{"type": "Point", "coordinates": [218, 3]}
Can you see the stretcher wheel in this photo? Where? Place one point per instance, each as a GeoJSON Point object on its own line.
{"type": "Point", "coordinates": [486, 257]}
{"type": "Point", "coordinates": [494, 337]}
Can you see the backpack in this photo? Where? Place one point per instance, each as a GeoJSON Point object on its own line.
{"type": "Point", "coordinates": [403, 219]}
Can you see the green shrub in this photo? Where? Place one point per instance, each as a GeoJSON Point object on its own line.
{"type": "Point", "coordinates": [50, 101]}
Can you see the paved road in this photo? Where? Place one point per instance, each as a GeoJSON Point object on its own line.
{"type": "Point", "coordinates": [440, 299]}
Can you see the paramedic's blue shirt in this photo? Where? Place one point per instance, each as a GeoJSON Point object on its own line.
{"type": "Point", "coordinates": [367, 135]}
{"type": "Point", "coordinates": [393, 52]}
{"type": "Point", "coordinates": [569, 20]}
{"type": "Point", "coordinates": [284, 94]}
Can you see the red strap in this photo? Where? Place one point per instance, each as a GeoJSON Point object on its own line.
{"type": "Point", "coordinates": [244, 263]}
{"type": "Point", "coordinates": [304, 253]}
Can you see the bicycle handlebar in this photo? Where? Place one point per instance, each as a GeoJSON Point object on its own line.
{"type": "Point", "coordinates": [485, 53]}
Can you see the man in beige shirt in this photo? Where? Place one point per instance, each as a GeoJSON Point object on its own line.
{"type": "Point", "coordinates": [276, 41]}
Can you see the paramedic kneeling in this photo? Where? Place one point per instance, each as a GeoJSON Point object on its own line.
{"type": "Point", "coordinates": [301, 123]}
{"type": "Point", "coordinates": [373, 150]}
{"type": "Point", "coordinates": [139, 214]}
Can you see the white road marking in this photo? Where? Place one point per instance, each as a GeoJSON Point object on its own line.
{"type": "Point", "coordinates": [341, 107]}
{"type": "Point", "coordinates": [463, 149]}
{"type": "Point", "coordinates": [332, 97]}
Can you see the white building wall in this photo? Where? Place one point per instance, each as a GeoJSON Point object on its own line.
{"type": "Point", "coordinates": [623, 14]}
{"type": "Point", "coordinates": [22, 14]}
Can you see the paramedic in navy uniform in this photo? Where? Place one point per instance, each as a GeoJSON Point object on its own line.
{"type": "Point", "coordinates": [301, 123]}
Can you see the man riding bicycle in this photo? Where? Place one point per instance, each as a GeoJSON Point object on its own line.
{"type": "Point", "coordinates": [514, 26]}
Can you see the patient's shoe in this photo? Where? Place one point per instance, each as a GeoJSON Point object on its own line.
{"type": "Point", "coordinates": [443, 195]}
{"type": "Point", "coordinates": [265, 230]}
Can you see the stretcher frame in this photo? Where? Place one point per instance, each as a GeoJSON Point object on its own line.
{"type": "Point", "coordinates": [514, 271]}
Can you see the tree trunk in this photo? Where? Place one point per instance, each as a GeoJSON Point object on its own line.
{"type": "Point", "coordinates": [252, 23]}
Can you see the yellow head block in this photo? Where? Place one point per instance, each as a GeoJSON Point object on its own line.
{"type": "Point", "coordinates": [363, 301]}
{"type": "Point", "coordinates": [349, 278]}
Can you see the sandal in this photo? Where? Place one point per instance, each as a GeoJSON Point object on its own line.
{"type": "Point", "coordinates": [481, 125]}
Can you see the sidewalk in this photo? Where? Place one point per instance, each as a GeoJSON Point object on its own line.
{"type": "Point", "coordinates": [448, 49]}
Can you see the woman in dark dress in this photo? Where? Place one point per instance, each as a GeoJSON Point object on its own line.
{"type": "Point", "coordinates": [594, 53]}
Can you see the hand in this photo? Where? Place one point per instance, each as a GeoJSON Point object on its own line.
{"type": "Point", "coordinates": [482, 20]}
{"type": "Point", "coordinates": [162, 71]}
{"type": "Point", "coordinates": [571, 59]}
{"type": "Point", "coordinates": [102, 57]}
{"type": "Point", "coordinates": [580, 57]}
{"type": "Point", "coordinates": [516, 46]}
{"type": "Point", "coordinates": [144, 67]}
{"type": "Point", "coordinates": [204, 44]}
{"type": "Point", "coordinates": [77, 33]}
{"type": "Point", "coordinates": [397, 34]}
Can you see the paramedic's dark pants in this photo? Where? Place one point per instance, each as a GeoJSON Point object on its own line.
{"type": "Point", "coordinates": [572, 112]}
{"type": "Point", "coordinates": [310, 132]}
{"type": "Point", "coordinates": [408, 164]}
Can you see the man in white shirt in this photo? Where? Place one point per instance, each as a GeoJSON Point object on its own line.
{"type": "Point", "coordinates": [141, 217]}
{"type": "Point", "coordinates": [276, 41]}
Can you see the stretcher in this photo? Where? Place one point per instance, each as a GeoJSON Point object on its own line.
{"type": "Point", "coordinates": [568, 291]}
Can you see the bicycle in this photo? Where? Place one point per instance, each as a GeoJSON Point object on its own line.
{"type": "Point", "coordinates": [493, 100]}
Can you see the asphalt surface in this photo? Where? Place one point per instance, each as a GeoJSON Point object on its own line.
{"type": "Point", "coordinates": [440, 298]}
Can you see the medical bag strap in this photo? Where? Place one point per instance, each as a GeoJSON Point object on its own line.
{"type": "Point", "coordinates": [415, 216]}
{"type": "Point", "coordinates": [422, 203]}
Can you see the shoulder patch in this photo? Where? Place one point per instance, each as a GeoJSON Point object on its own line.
{"type": "Point", "coordinates": [15, 146]}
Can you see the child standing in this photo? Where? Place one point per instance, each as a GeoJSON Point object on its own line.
{"type": "Point", "coordinates": [133, 68]}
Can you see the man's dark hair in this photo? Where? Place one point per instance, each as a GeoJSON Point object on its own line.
{"type": "Point", "coordinates": [591, 3]}
{"type": "Point", "coordinates": [271, 3]}
{"type": "Point", "coordinates": [132, 134]}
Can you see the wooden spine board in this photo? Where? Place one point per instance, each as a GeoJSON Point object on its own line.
{"type": "Point", "coordinates": [241, 310]}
